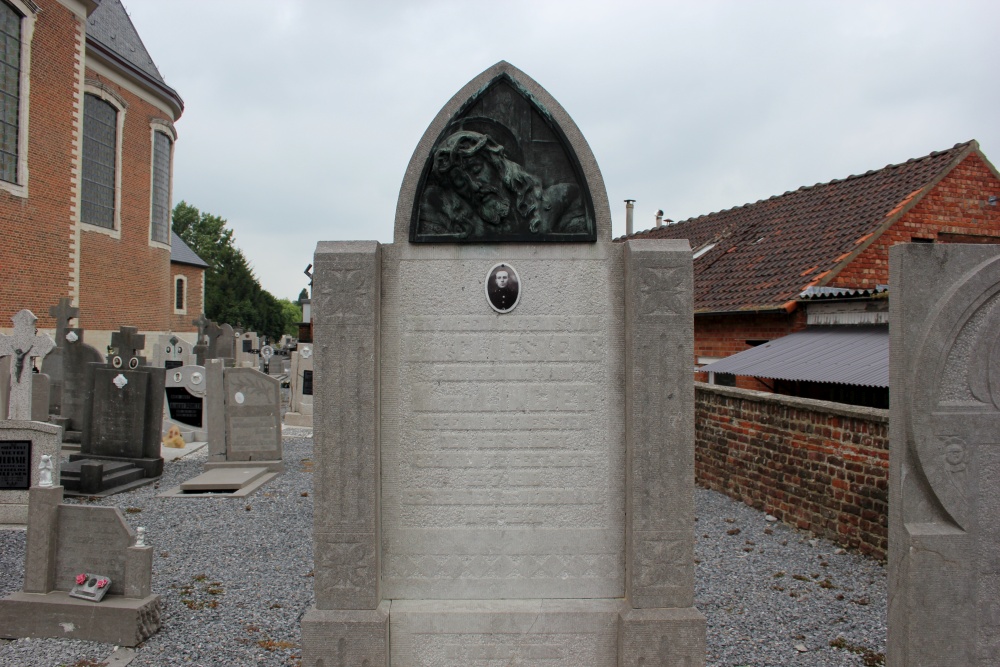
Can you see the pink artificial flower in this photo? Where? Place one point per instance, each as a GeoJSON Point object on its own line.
{"type": "Point", "coordinates": [81, 579]}
{"type": "Point", "coordinates": [101, 583]}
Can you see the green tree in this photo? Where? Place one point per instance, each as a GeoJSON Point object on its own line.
{"type": "Point", "coordinates": [232, 292]}
{"type": "Point", "coordinates": [292, 315]}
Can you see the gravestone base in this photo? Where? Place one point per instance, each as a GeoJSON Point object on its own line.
{"type": "Point", "coordinates": [298, 419]}
{"type": "Point", "coordinates": [115, 619]}
{"type": "Point", "coordinates": [151, 467]}
{"type": "Point", "coordinates": [272, 466]}
{"type": "Point", "coordinates": [358, 637]}
{"type": "Point", "coordinates": [668, 637]}
{"type": "Point", "coordinates": [44, 439]}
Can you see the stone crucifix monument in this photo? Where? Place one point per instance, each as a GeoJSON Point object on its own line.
{"type": "Point", "coordinates": [504, 422]}
{"type": "Point", "coordinates": [944, 461]}
{"type": "Point", "coordinates": [22, 347]}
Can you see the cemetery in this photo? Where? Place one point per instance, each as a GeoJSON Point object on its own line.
{"type": "Point", "coordinates": [511, 464]}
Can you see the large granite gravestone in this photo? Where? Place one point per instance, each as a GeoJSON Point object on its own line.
{"type": "Point", "coordinates": [300, 404]}
{"type": "Point", "coordinates": [76, 357]}
{"type": "Point", "coordinates": [65, 541]}
{"type": "Point", "coordinates": [243, 417]}
{"type": "Point", "coordinates": [123, 424]}
{"type": "Point", "coordinates": [944, 463]}
{"type": "Point", "coordinates": [22, 445]}
{"type": "Point", "coordinates": [503, 485]}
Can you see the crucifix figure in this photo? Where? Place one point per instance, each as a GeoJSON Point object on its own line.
{"type": "Point", "coordinates": [23, 347]}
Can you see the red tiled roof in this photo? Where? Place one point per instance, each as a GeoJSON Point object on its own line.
{"type": "Point", "coordinates": [767, 252]}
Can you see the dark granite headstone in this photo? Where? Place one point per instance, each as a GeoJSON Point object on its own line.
{"type": "Point", "coordinates": [185, 407]}
{"type": "Point", "coordinates": [77, 357]}
{"type": "Point", "coordinates": [15, 465]}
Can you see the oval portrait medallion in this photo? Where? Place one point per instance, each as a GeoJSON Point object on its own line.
{"type": "Point", "coordinates": [503, 288]}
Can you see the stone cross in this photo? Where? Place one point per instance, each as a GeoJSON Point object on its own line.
{"type": "Point", "coordinates": [202, 323]}
{"type": "Point", "coordinates": [63, 312]}
{"type": "Point", "coordinates": [23, 347]}
{"type": "Point", "coordinates": [126, 343]}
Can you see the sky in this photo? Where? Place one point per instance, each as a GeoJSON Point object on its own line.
{"type": "Point", "coordinates": [301, 115]}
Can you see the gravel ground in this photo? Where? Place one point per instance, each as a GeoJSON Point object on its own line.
{"type": "Point", "coordinates": [236, 575]}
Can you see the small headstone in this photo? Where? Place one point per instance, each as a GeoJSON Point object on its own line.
{"type": "Point", "coordinates": [300, 405]}
{"type": "Point", "coordinates": [172, 351]}
{"type": "Point", "coordinates": [201, 348]}
{"type": "Point", "coordinates": [253, 416]}
{"type": "Point", "coordinates": [87, 552]}
{"type": "Point", "coordinates": [24, 448]}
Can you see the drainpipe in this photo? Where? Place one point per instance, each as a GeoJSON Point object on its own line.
{"type": "Point", "coordinates": [659, 218]}
{"type": "Point", "coordinates": [629, 208]}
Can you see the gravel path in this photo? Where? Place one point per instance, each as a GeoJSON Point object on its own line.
{"type": "Point", "coordinates": [236, 575]}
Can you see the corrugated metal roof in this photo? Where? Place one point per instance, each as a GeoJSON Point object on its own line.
{"type": "Point", "coordinates": [181, 252]}
{"type": "Point", "coordinates": [841, 355]}
{"type": "Point", "coordinates": [841, 292]}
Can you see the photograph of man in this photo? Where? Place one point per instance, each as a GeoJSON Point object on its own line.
{"type": "Point", "coordinates": [503, 288]}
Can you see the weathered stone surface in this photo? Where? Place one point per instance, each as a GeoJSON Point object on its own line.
{"type": "Point", "coordinates": [20, 349]}
{"type": "Point", "coordinates": [502, 435]}
{"type": "Point", "coordinates": [40, 552]}
{"type": "Point", "coordinates": [944, 532]}
{"type": "Point", "coordinates": [659, 342]}
{"type": "Point", "coordinates": [92, 539]}
{"type": "Point", "coordinates": [77, 357]}
{"type": "Point", "coordinates": [561, 633]}
{"type": "Point", "coordinates": [215, 407]}
{"type": "Point", "coordinates": [346, 292]}
{"type": "Point", "coordinates": [667, 637]}
{"type": "Point", "coordinates": [116, 620]}
{"type": "Point", "coordinates": [346, 637]}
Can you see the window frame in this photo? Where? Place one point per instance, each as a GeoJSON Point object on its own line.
{"type": "Point", "coordinates": [27, 10]}
{"type": "Point", "coordinates": [166, 128]}
{"type": "Point", "coordinates": [180, 279]}
{"type": "Point", "coordinates": [99, 90]}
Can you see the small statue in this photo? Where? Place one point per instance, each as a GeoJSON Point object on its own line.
{"type": "Point", "coordinates": [140, 537]}
{"type": "Point", "coordinates": [45, 471]}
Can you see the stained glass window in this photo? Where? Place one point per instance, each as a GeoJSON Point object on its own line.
{"type": "Point", "coordinates": [100, 149]}
{"type": "Point", "coordinates": [161, 188]}
{"type": "Point", "coordinates": [10, 86]}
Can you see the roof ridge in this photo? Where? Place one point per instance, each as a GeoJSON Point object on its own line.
{"type": "Point", "coordinates": [957, 148]}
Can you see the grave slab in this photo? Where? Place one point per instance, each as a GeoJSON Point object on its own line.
{"type": "Point", "coordinates": [222, 483]}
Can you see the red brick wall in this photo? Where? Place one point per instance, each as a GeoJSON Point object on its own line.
{"type": "Point", "coordinates": [38, 244]}
{"type": "Point", "coordinates": [126, 281]}
{"type": "Point", "coordinates": [725, 335]}
{"type": "Point", "coordinates": [956, 205]}
{"type": "Point", "coordinates": [818, 466]}
{"type": "Point", "coordinates": [194, 305]}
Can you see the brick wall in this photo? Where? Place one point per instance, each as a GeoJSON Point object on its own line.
{"type": "Point", "coordinates": [956, 209]}
{"type": "Point", "coordinates": [816, 465]}
{"type": "Point", "coordinates": [38, 244]}
{"type": "Point", "coordinates": [195, 289]}
{"type": "Point", "coordinates": [127, 281]}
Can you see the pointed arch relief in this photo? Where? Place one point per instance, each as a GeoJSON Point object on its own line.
{"type": "Point", "coordinates": [502, 163]}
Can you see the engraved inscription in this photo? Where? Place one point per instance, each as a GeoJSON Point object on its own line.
{"type": "Point", "coordinates": [251, 432]}
{"type": "Point", "coordinates": [15, 464]}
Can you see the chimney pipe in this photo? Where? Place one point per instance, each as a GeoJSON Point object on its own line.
{"type": "Point", "coordinates": [629, 208]}
{"type": "Point", "coordinates": [659, 218]}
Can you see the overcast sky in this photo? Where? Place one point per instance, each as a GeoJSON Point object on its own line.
{"type": "Point", "coordinates": [301, 115]}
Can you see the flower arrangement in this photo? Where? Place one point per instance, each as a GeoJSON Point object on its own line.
{"type": "Point", "coordinates": [101, 583]}
{"type": "Point", "coordinates": [80, 579]}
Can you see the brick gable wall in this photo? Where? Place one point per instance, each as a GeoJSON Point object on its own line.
{"type": "Point", "coordinates": [957, 205]}
{"type": "Point", "coordinates": [725, 335]}
{"type": "Point", "coordinates": [126, 281]}
{"type": "Point", "coordinates": [38, 245]}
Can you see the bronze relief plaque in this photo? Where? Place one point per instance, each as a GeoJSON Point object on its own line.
{"type": "Point", "coordinates": [502, 171]}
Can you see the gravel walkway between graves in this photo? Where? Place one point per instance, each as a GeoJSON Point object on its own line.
{"type": "Point", "coordinates": [236, 576]}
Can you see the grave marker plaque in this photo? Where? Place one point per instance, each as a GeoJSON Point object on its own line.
{"type": "Point", "coordinates": [185, 407]}
{"type": "Point", "coordinates": [307, 383]}
{"type": "Point", "coordinates": [15, 465]}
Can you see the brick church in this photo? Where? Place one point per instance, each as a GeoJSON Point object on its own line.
{"type": "Point", "coordinates": [86, 157]}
